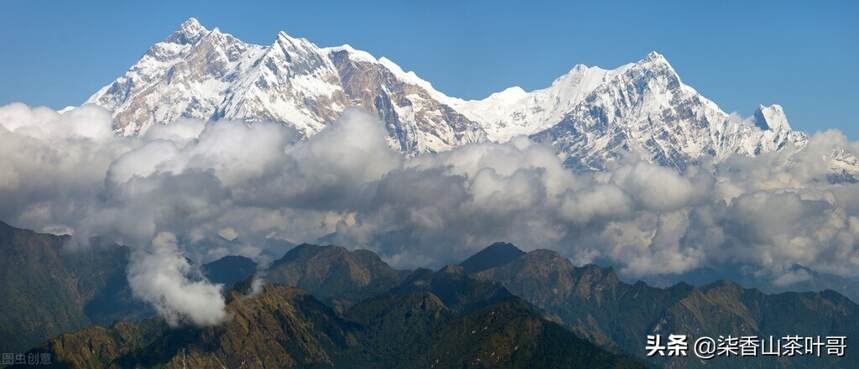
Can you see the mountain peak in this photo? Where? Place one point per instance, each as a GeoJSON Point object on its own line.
{"type": "Point", "coordinates": [576, 73]}
{"type": "Point", "coordinates": [191, 24]}
{"type": "Point", "coordinates": [578, 68]}
{"type": "Point", "coordinates": [656, 57]}
{"type": "Point", "coordinates": [188, 32]}
{"type": "Point", "coordinates": [771, 118]}
{"type": "Point", "coordinates": [508, 95]}
{"type": "Point", "coordinates": [285, 39]}
{"type": "Point", "coordinates": [595, 274]}
{"type": "Point", "coordinates": [284, 35]}
{"type": "Point", "coordinates": [229, 269]}
{"type": "Point", "coordinates": [332, 271]}
{"type": "Point", "coordinates": [655, 60]}
{"type": "Point", "coordinates": [497, 254]}
{"type": "Point", "coordinates": [297, 83]}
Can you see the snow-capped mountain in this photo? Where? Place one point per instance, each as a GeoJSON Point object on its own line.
{"type": "Point", "coordinates": [514, 112]}
{"type": "Point", "coordinates": [208, 74]}
{"type": "Point", "coordinates": [592, 116]}
{"type": "Point", "coordinates": [645, 108]}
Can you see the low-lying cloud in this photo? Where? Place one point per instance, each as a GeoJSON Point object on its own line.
{"type": "Point", "coordinates": [159, 275]}
{"type": "Point", "coordinates": [172, 191]}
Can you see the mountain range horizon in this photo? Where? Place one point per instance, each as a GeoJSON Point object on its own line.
{"type": "Point", "coordinates": [353, 285]}
{"type": "Point", "coordinates": [207, 74]}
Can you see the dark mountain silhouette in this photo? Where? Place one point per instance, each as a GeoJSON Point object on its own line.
{"type": "Point", "coordinates": [495, 255]}
{"type": "Point", "coordinates": [330, 307]}
{"type": "Point", "coordinates": [48, 290]}
{"type": "Point", "coordinates": [229, 269]}
{"type": "Point", "coordinates": [596, 304]}
{"type": "Point", "coordinates": [333, 274]}
{"type": "Point", "coordinates": [409, 327]}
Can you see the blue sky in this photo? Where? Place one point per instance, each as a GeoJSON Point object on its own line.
{"type": "Point", "coordinates": [803, 55]}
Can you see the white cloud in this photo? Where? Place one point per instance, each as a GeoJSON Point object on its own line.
{"type": "Point", "coordinates": [195, 179]}
{"type": "Point", "coordinates": [159, 276]}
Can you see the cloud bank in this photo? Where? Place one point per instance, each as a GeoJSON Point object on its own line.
{"type": "Point", "coordinates": [176, 190]}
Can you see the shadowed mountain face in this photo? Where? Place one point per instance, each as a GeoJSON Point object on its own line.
{"type": "Point", "coordinates": [48, 290]}
{"type": "Point", "coordinates": [497, 254]}
{"type": "Point", "coordinates": [56, 290]}
{"type": "Point", "coordinates": [229, 269]}
{"type": "Point", "coordinates": [333, 274]}
{"type": "Point", "coordinates": [411, 327]}
{"type": "Point", "coordinates": [475, 324]}
{"type": "Point", "coordinates": [597, 305]}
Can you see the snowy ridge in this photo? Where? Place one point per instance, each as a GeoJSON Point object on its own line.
{"type": "Point", "coordinates": [591, 116]}
{"type": "Point", "coordinates": [514, 112]}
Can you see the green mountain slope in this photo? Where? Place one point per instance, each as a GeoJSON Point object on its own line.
{"type": "Point", "coordinates": [282, 327]}
{"type": "Point", "coordinates": [596, 304]}
{"type": "Point", "coordinates": [333, 274]}
{"type": "Point", "coordinates": [48, 290]}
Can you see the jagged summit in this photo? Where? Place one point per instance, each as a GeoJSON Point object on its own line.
{"type": "Point", "coordinates": [654, 57]}
{"type": "Point", "coordinates": [658, 65]}
{"type": "Point", "coordinates": [771, 118]}
{"type": "Point", "coordinates": [285, 38]}
{"type": "Point", "coordinates": [189, 32]}
{"type": "Point", "coordinates": [592, 116]}
{"type": "Point", "coordinates": [191, 23]}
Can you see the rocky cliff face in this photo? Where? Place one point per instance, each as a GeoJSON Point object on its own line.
{"type": "Point", "coordinates": [415, 119]}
